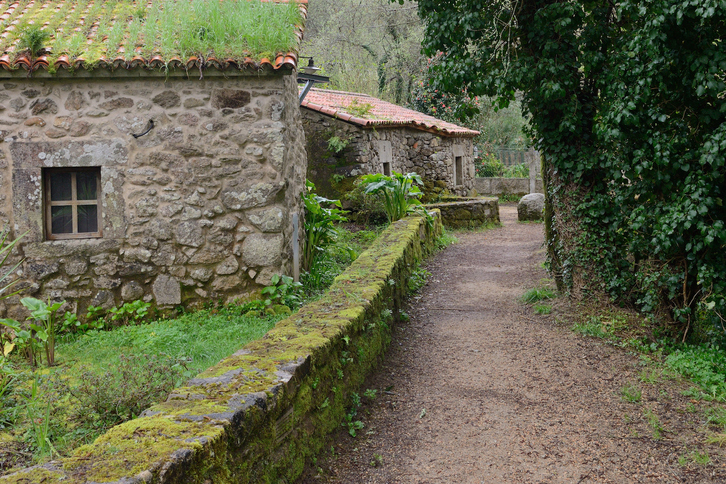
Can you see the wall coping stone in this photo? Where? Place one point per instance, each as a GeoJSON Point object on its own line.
{"type": "Point", "coordinates": [258, 415]}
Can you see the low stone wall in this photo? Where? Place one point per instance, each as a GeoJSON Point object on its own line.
{"type": "Point", "coordinates": [469, 213]}
{"type": "Point", "coordinates": [505, 186]}
{"type": "Point", "coordinates": [259, 414]}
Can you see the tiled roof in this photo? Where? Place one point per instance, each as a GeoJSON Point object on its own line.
{"type": "Point", "coordinates": [369, 112]}
{"type": "Point", "coordinates": [98, 34]}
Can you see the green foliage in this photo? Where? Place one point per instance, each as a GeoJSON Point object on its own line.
{"type": "Point", "coordinates": [41, 332]}
{"type": "Point", "coordinates": [488, 165]}
{"type": "Point", "coordinates": [516, 171]}
{"type": "Point", "coordinates": [110, 397]}
{"type": "Point", "coordinates": [631, 394]}
{"type": "Point", "coordinates": [336, 145]}
{"type": "Point", "coordinates": [400, 193]}
{"type": "Point", "coordinates": [283, 290]}
{"type": "Point", "coordinates": [365, 46]}
{"type": "Point", "coordinates": [705, 365]}
{"type": "Point", "coordinates": [33, 39]}
{"type": "Point", "coordinates": [358, 108]}
{"type": "Point", "coordinates": [418, 279]}
{"type": "Point", "coordinates": [626, 102]}
{"type": "Point", "coordinates": [542, 309]}
{"type": "Point", "coordinates": [319, 225]}
{"type": "Point", "coordinates": [537, 294]}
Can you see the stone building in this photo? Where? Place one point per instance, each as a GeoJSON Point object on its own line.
{"type": "Point", "coordinates": [350, 134]}
{"type": "Point", "coordinates": [172, 180]}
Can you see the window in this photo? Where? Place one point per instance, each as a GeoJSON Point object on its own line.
{"type": "Point", "coordinates": [458, 171]}
{"type": "Point", "coordinates": [72, 203]}
{"type": "Point", "coordinates": [386, 168]}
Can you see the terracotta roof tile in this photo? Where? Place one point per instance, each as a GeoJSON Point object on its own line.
{"type": "Point", "coordinates": [369, 112]}
{"type": "Point", "coordinates": [60, 19]}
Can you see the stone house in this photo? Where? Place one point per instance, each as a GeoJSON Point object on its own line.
{"type": "Point", "coordinates": [168, 178]}
{"type": "Point", "coordinates": [349, 134]}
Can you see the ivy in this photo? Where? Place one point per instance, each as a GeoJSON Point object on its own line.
{"type": "Point", "coordinates": [627, 107]}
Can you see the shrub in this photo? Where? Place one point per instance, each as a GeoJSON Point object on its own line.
{"type": "Point", "coordinates": [400, 193]}
{"type": "Point", "coordinates": [319, 223]}
{"type": "Point", "coordinates": [488, 165]}
{"type": "Point", "coordinates": [122, 393]}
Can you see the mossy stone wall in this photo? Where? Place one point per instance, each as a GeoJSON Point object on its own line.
{"type": "Point", "coordinates": [258, 415]}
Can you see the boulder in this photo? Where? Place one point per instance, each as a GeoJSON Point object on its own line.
{"type": "Point", "coordinates": [531, 207]}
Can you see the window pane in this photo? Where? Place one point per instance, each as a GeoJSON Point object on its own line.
{"type": "Point", "coordinates": [86, 185]}
{"type": "Point", "coordinates": [60, 187]}
{"type": "Point", "coordinates": [61, 220]}
{"type": "Point", "coordinates": [87, 218]}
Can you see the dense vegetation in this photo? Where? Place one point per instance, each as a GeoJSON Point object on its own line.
{"type": "Point", "coordinates": [627, 104]}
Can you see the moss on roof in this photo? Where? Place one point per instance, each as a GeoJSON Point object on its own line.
{"type": "Point", "coordinates": [118, 31]}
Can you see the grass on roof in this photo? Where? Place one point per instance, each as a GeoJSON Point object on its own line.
{"type": "Point", "coordinates": [224, 29]}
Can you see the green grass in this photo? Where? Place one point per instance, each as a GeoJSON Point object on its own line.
{"type": "Point", "coordinates": [631, 394]}
{"type": "Point", "coordinates": [542, 309]}
{"type": "Point", "coordinates": [105, 377]}
{"type": "Point", "coordinates": [328, 264]}
{"type": "Point", "coordinates": [537, 294]}
{"type": "Point", "coordinates": [200, 338]}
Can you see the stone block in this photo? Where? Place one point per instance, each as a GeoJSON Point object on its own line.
{"type": "Point", "coordinates": [531, 207]}
{"type": "Point", "coordinates": [260, 250]}
{"type": "Point", "coordinates": [167, 290]}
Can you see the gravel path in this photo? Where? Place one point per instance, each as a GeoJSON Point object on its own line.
{"type": "Point", "coordinates": [478, 389]}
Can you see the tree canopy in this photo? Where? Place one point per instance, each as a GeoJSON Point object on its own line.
{"type": "Point", "coordinates": [627, 107]}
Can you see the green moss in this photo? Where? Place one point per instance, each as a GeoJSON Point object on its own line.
{"type": "Point", "coordinates": [35, 474]}
{"type": "Point", "coordinates": [136, 446]}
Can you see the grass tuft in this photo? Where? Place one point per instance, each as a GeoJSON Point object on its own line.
{"type": "Point", "coordinates": [537, 294]}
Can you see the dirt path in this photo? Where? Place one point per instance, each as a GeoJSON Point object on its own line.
{"type": "Point", "coordinates": [481, 390]}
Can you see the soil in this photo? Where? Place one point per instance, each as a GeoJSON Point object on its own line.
{"type": "Point", "coordinates": [477, 388]}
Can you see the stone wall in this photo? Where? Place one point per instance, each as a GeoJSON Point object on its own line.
{"type": "Point", "coordinates": [199, 208]}
{"type": "Point", "coordinates": [495, 187]}
{"type": "Point", "coordinates": [468, 214]}
{"type": "Point", "coordinates": [260, 414]}
{"type": "Point", "coordinates": [429, 155]}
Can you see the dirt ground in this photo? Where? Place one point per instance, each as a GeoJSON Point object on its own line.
{"type": "Point", "coordinates": [476, 388]}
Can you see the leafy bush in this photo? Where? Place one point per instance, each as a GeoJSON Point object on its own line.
{"type": "Point", "coordinates": [400, 193]}
{"type": "Point", "coordinates": [122, 393]}
{"type": "Point", "coordinates": [319, 223]}
{"type": "Point", "coordinates": [488, 165]}
{"type": "Point", "coordinates": [631, 123]}
{"type": "Point", "coordinates": [520, 170]}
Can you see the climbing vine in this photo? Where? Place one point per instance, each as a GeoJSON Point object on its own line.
{"type": "Point", "coordinates": [627, 107]}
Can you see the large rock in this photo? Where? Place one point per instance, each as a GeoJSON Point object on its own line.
{"type": "Point", "coordinates": [530, 207]}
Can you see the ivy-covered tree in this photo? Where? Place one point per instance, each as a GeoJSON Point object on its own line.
{"type": "Point", "coordinates": [627, 106]}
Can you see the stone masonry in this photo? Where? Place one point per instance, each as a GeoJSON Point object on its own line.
{"type": "Point", "coordinates": [430, 155]}
{"type": "Point", "coordinates": [200, 208]}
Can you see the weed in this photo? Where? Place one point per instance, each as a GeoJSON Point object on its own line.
{"type": "Point", "coordinates": [120, 394]}
{"type": "Point", "coordinates": [445, 240]}
{"type": "Point", "coordinates": [377, 460]}
{"type": "Point", "coordinates": [654, 423]}
{"type": "Point", "coordinates": [716, 438]}
{"type": "Point", "coordinates": [283, 290]}
{"type": "Point", "coordinates": [542, 309]}
{"type": "Point", "coordinates": [537, 294]}
{"type": "Point", "coordinates": [700, 458]}
{"type": "Point", "coordinates": [321, 214]}
{"type": "Point", "coordinates": [336, 145]}
{"type": "Point", "coordinates": [33, 39]}
{"type": "Point", "coordinates": [716, 416]}
{"type": "Point", "coordinates": [650, 377]}
{"type": "Point", "coordinates": [520, 170]}
{"type": "Point", "coordinates": [509, 198]}
{"type": "Point", "coordinates": [705, 364]}
{"type": "Point", "coordinates": [358, 108]}
{"type": "Point", "coordinates": [631, 394]}
{"type": "Point", "coordinates": [418, 279]}
{"type": "Point", "coordinates": [370, 393]}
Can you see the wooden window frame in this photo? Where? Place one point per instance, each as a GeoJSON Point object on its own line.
{"type": "Point", "coordinates": [73, 203]}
